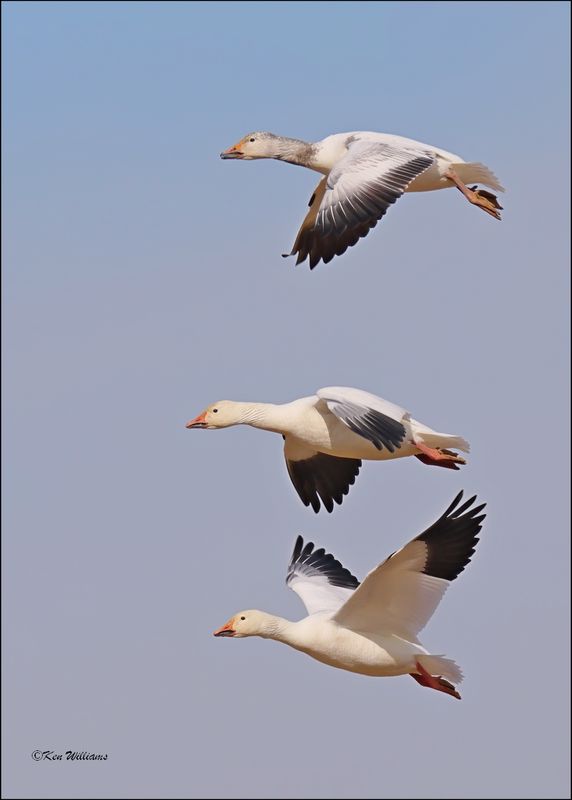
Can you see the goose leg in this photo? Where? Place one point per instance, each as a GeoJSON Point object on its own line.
{"type": "Point", "coordinates": [431, 682]}
{"type": "Point", "coordinates": [438, 458]}
{"type": "Point", "coordinates": [478, 197]}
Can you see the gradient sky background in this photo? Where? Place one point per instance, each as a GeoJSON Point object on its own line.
{"type": "Point", "coordinates": [143, 280]}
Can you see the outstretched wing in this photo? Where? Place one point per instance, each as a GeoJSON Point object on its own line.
{"type": "Point", "coordinates": [320, 581]}
{"type": "Point", "coordinates": [377, 420]}
{"type": "Point", "coordinates": [357, 193]}
{"type": "Point", "coordinates": [319, 476]}
{"type": "Point", "coordinates": [401, 594]}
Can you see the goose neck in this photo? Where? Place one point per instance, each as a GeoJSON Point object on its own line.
{"type": "Point", "coordinates": [295, 151]}
{"type": "Point", "coordinates": [267, 416]}
{"type": "Point", "coordinates": [276, 628]}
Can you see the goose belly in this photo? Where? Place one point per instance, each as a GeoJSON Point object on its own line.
{"type": "Point", "coordinates": [354, 652]}
{"type": "Point", "coordinates": [355, 446]}
{"type": "Point", "coordinates": [344, 443]}
{"type": "Point", "coordinates": [432, 179]}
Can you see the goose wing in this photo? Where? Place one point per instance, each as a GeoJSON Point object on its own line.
{"type": "Point", "coordinates": [377, 420]}
{"type": "Point", "coordinates": [402, 593]}
{"type": "Point", "coordinates": [356, 194]}
{"type": "Point", "coordinates": [320, 581]}
{"type": "Point", "coordinates": [319, 476]}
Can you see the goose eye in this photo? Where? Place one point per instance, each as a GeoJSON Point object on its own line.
{"type": "Point", "coordinates": [252, 140]}
{"type": "Point", "coordinates": [243, 617]}
{"type": "Point", "coordinates": [215, 410]}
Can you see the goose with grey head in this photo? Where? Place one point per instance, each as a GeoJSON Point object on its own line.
{"type": "Point", "coordinates": [364, 174]}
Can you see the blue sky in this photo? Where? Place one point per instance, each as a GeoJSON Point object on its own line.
{"type": "Point", "coordinates": [143, 280]}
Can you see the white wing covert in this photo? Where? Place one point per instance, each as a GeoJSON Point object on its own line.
{"type": "Point", "coordinates": [401, 594]}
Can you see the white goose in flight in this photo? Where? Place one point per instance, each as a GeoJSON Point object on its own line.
{"type": "Point", "coordinates": [326, 437]}
{"type": "Point", "coordinates": [372, 628]}
{"type": "Point", "coordinates": [365, 173]}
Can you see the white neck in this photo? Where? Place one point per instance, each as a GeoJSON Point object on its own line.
{"type": "Point", "coordinates": [268, 416]}
{"type": "Point", "coordinates": [276, 628]}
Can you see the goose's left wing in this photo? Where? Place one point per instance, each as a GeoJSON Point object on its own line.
{"type": "Point", "coordinates": [401, 594]}
{"type": "Point", "coordinates": [320, 581]}
{"type": "Point", "coordinates": [377, 420]}
{"type": "Point", "coordinates": [319, 476]}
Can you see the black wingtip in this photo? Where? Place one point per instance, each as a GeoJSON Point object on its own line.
{"type": "Point", "coordinates": [454, 504]}
{"type": "Point", "coordinates": [298, 547]}
{"type": "Point", "coordinates": [452, 539]}
{"type": "Point", "coordinates": [323, 480]}
{"type": "Point", "coordinates": [310, 561]}
{"type": "Point", "coordinates": [466, 505]}
{"type": "Point", "coordinates": [456, 510]}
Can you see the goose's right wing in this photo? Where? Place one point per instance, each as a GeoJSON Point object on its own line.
{"type": "Point", "coordinates": [401, 594]}
{"type": "Point", "coordinates": [355, 196]}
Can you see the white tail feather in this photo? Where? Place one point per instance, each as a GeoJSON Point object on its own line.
{"type": "Point", "coordinates": [478, 173]}
{"type": "Point", "coordinates": [443, 440]}
{"type": "Point", "coordinates": [442, 667]}
{"type": "Point", "coordinates": [457, 442]}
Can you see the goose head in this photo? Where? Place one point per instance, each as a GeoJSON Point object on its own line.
{"type": "Point", "coordinates": [245, 623]}
{"type": "Point", "coordinates": [259, 144]}
{"type": "Point", "coordinates": [218, 415]}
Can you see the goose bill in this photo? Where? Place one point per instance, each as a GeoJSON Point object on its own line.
{"type": "Point", "coordinates": [197, 422]}
{"type": "Point", "coordinates": [226, 630]}
{"type": "Point", "coordinates": [232, 152]}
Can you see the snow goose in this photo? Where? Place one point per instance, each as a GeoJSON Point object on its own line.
{"type": "Point", "coordinates": [365, 173]}
{"type": "Point", "coordinates": [327, 435]}
{"type": "Point", "coordinates": [372, 628]}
